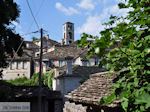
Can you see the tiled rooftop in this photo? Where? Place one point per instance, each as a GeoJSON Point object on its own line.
{"type": "Point", "coordinates": [92, 90]}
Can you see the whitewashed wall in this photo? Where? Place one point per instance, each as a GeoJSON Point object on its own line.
{"type": "Point", "coordinates": [66, 84]}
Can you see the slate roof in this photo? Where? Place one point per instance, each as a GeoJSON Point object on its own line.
{"type": "Point", "coordinates": [60, 52]}
{"type": "Point", "coordinates": [80, 71]}
{"type": "Point", "coordinates": [25, 56]}
{"type": "Point", "coordinates": [51, 42]}
{"type": "Point", "coordinates": [92, 90]}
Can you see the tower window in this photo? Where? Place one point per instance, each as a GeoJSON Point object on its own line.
{"type": "Point", "coordinates": [70, 35]}
{"type": "Point", "coordinates": [70, 42]}
{"type": "Point", "coordinates": [69, 27]}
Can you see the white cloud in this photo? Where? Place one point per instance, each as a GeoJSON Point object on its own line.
{"type": "Point", "coordinates": [86, 4]}
{"type": "Point", "coordinates": [67, 11]}
{"type": "Point", "coordinates": [93, 24]}
{"type": "Point", "coordinates": [17, 26]}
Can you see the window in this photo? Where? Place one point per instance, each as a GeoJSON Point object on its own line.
{"type": "Point", "coordinates": [17, 65]}
{"type": "Point", "coordinates": [70, 42]}
{"type": "Point", "coordinates": [69, 27]}
{"type": "Point", "coordinates": [27, 45]}
{"type": "Point", "coordinates": [70, 35]}
{"type": "Point", "coordinates": [96, 61]}
{"type": "Point", "coordinates": [24, 65]}
{"type": "Point", "coordinates": [13, 65]}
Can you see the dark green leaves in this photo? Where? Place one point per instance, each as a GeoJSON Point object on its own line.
{"type": "Point", "coordinates": [126, 44]}
{"type": "Point", "coordinates": [9, 40]}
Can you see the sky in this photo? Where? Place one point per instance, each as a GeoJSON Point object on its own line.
{"type": "Point", "coordinates": [87, 16]}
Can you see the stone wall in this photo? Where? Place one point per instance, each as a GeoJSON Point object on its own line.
{"type": "Point", "coordinates": [17, 69]}
{"type": "Point", "coordinates": [72, 107]}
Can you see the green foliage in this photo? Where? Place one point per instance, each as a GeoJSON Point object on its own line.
{"type": "Point", "coordinates": [46, 79]}
{"type": "Point", "coordinates": [126, 45]}
{"type": "Point", "coordinates": [9, 40]}
{"type": "Point", "coordinates": [34, 38]}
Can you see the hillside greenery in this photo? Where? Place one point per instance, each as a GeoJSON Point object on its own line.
{"type": "Point", "coordinates": [23, 81]}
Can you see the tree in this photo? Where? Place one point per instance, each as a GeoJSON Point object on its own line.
{"type": "Point", "coordinates": [34, 39]}
{"type": "Point", "coordinates": [9, 40]}
{"type": "Point", "coordinates": [125, 46]}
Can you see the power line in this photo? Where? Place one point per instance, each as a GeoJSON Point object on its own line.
{"type": "Point", "coordinates": [32, 15]}
{"type": "Point", "coordinates": [16, 52]}
{"type": "Point", "coordinates": [29, 33]}
{"type": "Point", "coordinates": [36, 14]}
{"type": "Point", "coordinates": [20, 46]}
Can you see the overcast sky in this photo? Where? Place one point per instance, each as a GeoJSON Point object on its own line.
{"type": "Point", "coordinates": [87, 15]}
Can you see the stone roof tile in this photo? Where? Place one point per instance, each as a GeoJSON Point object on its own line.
{"type": "Point", "coordinates": [92, 90]}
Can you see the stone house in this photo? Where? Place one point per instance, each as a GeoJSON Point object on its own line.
{"type": "Point", "coordinates": [69, 77]}
{"type": "Point", "coordinates": [56, 58]}
{"type": "Point", "coordinates": [54, 55]}
{"type": "Point", "coordinates": [87, 96]}
{"type": "Point", "coordinates": [47, 44]}
{"type": "Point", "coordinates": [20, 67]}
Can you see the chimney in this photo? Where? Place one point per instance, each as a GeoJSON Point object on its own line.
{"type": "Point", "coordinates": [69, 65]}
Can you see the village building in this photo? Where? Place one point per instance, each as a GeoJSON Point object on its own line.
{"type": "Point", "coordinates": [47, 44]}
{"type": "Point", "coordinates": [21, 66]}
{"type": "Point", "coordinates": [56, 57]}
{"type": "Point", "coordinates": [69, 77]}
{"type": "Point", "coordinates": [86, 98]}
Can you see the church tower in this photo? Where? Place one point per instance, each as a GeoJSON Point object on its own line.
{"type": "Point", "coordinates": [68, 33]}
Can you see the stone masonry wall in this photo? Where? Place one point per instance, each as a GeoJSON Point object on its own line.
{"type": "Point", "coordinates": [72, 107]}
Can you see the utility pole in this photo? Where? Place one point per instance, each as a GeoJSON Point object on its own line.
{"type": "Point", "coordinates": [40, 73]}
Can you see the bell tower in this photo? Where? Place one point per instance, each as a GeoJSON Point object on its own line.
{"type": "Point", "coordinates": [68, 33]}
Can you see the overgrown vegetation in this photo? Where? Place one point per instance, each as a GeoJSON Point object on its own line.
{"type": "Point", "coordinates": [46, 80]}
{"type": "Point", "coordinates": [125, 45]}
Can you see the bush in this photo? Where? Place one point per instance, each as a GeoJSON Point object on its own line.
{"type": "Point", "coordinates": [24, 81]}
